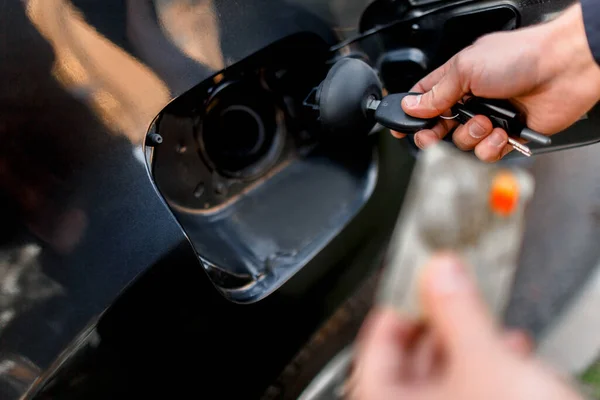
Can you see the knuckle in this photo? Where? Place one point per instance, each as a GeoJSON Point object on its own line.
{"type": "Point", "coordinates": [436, 103]}
{"type": "Point", "coordinates": [458, 138]}
{"type": "Point", "coordinates": [462, 61]}
{"type": "Point", "coordinates": [460, 144]}
{"type": "Point", "coordinates": [432, 99]}
{"type": "Point", "coordinates": [418, 87]}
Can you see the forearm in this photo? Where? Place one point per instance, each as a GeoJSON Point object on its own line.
{"type": "Point", "coordinates": [567, 52]}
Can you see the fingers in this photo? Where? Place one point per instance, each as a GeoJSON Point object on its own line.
{"type": "Point", "coordinates": [478, 133]}
{"type": "Point", "coordinates": [384, 345]}
{"type": "Point", "coordinates": [518, 342]}
{"type": "Point", "coordinates": [397, 135]}
{"type": "Point", "coordinates": [426, 358]}
{"type": "Point", "coordinates": [442, 95]}
{"type": "Point", "coordinates": [427, 137]}
{"type": "Point", "coordinates": [454, 308]}
{"type": "Point", "coordinates": [382, 361]}
{"type": "Point", "coordinates": [493, 147]}
{"type": "Point", "coordinates": [442, 89]}
{"type": "Point", "coordinates": [490, 146]}
{"type": "Point", "coordinates": [469, 135]}
{"type": "Point", "coordinates": [424, 85]}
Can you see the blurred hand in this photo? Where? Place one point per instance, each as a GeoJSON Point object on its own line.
{"type": "Point", "coordinates": [546, 71]}
{"type": "Point", "coordinates": [460, 355]}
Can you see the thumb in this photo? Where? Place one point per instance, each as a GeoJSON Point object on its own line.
{"type": "Point", "coordinates": [382, 358]}
{"type": "Point", "coordinates": [441, 97]}
{"type": "Point", "coordinates": [454, 309]}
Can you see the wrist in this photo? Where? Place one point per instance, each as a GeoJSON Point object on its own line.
{"type": "Point", "coordinates": [565, 48]}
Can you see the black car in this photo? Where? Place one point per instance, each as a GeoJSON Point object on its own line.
{"type": "Point", "coordinates": [176, 221]}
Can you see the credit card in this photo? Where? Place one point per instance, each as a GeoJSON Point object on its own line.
{"type": "Point", "coordinates": [457, 203]}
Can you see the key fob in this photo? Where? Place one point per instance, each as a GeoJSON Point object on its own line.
{"type": "Point", "coordinates": [390, 114]}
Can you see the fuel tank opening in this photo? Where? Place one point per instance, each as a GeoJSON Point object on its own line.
{"type": "Point", "coordinates": [249, 174]}
{"type": "Point", "coordinates": [240, 135]}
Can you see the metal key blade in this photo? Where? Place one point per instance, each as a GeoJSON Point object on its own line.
{"type": "Point", "coordinates": [521, 148]}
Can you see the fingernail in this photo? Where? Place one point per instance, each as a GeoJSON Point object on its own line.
{"type": "Point", "coordinates": [449, 275]}
{"type": "Point", "coordinates": [418, 141]}
{"type": "Point", "coordinates": [475, 130]}
{"type": "Point", "coordinates": [412, 101]}
{"type": "Point", "coordinates": [425, 139]}
{"type": "Point", "coordinates": [497, 139]}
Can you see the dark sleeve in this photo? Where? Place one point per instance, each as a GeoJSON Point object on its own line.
{"type": "Point", "coordinates": [591, 20]}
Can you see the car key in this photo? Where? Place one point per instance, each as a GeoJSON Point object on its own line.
{"type": "Point", "coordinates": [389, 113]}
{"type": "Point", "coordinates": [350, 101]}
{"type": "Point", "coordinates": [520, 147]}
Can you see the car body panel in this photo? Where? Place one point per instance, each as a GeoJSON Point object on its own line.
{"type": "Point", "coordinates": [82, 82]}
